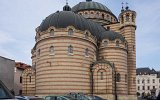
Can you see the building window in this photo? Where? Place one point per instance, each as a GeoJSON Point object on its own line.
{"type": "Point", "coordinates": [30, 79]}
{"type": "Point", "coordinates": [138, 88]}
{"type": "Point", "coordinates": [70, 31]}
{"type": "Point", "coordinates": [70, 49]}
{"type": "Point", "coordinates": [159, 80]}
{"type": "Point", "coordinates": [133, 47]}
{"type": "Point", "coordinates": [153, 87]}
{"type": "Point", "coordinates": [51, 50]}
{"type": "Point", "coordinates": [122, 19]}
{"type": "Point", "coordinates": [52, 32]}
{"type": "Point", "coordinates": [138, 81]}
{"type": "Point", "coordinates": [101, 75]}
{"type": "Point", "coordinates": [126, 78]}
{"type": "Point", "coordinates": [117, 43]}
{"type": "Point", "coordinates": [103, 16]}
{"type": "Point", "coordinates": [148, 87]}
{"type": "Point", "coordinates": [127, 18]}
{"type": "Point", "coordinates": [148, 81]}
{"type": "Point", "coordinates": [86, 35]}
{"type": "Point", "coordinates": [39, 52]}
{"type": "Point", "coordinates": [20, 79]}
{"type": "Point", "coordinates": [126, 46]}
{"type": "Point", "coordinates": [118, 77]}
{"type": "Point", "coordinates": [153, 80]}
{"type": "Point", "coordinates": [143, 87]}
{"type": "Point", "coordinates": [105, 43]}
{"type": "Point", "coordinates": [86, 52]}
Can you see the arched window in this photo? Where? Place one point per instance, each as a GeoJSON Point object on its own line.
{"type": "Point", "coordinates": [118, 78]}
{"type": "Point", "coordinates": [52, 32]}
{"type": "Point", "coordinates": [117, 43]}
{"type": "Point", "coordinates": [105, 43]}
{"type": "Point", "coordinates": [103, 16]}
{"type": "Point", "coordinates": [86, 35]}
{"type": "Point", "coordinates": [122, 19]}
{"type": "Point", "coordinates": [70, 31]}
{"type": "Point", "coordinates": [127, 18]}
{"type": "Point", "coordinates": [51, 50]}
{"type": "Point", "coordinates": [70, 49]}
{"type": "Point", "coordinates": [101, 75]}
{"type": "Point", "coordinates": [86, 52]}
{"type": "Point", "coordinates": [39, 52]}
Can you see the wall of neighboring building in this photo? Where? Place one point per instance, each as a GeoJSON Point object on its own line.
{"type": "Point", "coordinates": [18, 81]}
{"type": "Point", "coordinates": [147, 86]}
{"type": "Point", "coordinates": [7, 72]}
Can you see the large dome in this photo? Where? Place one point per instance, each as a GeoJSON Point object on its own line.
{"type": "Point", "coordinates": [90, 5]}
{"type": "Point", "coordinates": [64, 19]}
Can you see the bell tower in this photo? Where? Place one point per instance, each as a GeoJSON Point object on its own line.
{"type": "Point", "coordinates": [127, 19]}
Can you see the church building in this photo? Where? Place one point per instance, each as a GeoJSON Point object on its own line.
{"type": "Point", "coordinates": [84, 49]}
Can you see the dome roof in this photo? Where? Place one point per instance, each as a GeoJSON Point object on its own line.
{"type": "Point", "coordinates": [90, 5]}
{"type": "Point", "coordinates": [112, 36]}
{"type": "Point", "coordinates": [64, 19]}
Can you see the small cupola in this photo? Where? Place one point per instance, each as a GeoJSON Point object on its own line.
{"type": "Point", "coordinates": [66, 7]}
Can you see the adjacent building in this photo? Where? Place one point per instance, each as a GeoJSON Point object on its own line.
{"type": "Point", "coordinates": [7, 72]}
{"type": "Point", "coordinates": [148, 81]}
{"type": "Point", "coordinates": [86, 49]}
{"type": "Point", "coordinates": [18, 70]}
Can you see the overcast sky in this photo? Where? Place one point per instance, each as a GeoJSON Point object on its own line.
{"type": "Point", "coordinates": [19, 18]}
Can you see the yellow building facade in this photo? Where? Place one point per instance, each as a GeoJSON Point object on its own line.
{"type": "Point", "coordinates": [86, 49]}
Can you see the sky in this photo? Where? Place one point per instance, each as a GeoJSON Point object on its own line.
{"type": "Point", "coordinates": [19, 18]}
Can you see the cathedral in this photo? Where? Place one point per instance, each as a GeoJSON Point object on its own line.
{"type": "Point", "coordinates": [84, 49]}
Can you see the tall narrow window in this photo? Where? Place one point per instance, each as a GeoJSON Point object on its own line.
{"type": "Point", "coordinates": [51, 50]}
{"type": "Point", "coordinates": [117, 43]}
{"type": "Point", "coordinates": [143, 81]}
{"type": "Point", "coordinates": [138, 88]}
{"type": "Point", "coordinates": [127, 18]}
{"type": "Point", "coordinates": [103, 16]}
{"type": "Point", "coordinates": [143, 87]}
{"type": "Point", "coordinates": [30, 79]}
{"type": "Point", "coordinates": [52, 32]}
{"type": "Point", "coordinates": [118, 77]}
{"type": "Point", "coordinates": [122, 19]}
{"type": "Point", "coordinates": [101, 75]}
{"type": "Point", "coordinates": [20, 79]}
{"type": "Point", "coordinates": [126, 78]}
{"type": "Point", "coordinates": [105, 43]}
{"type": "Point", "coordinates": [86, 52]}
{"type": "Point", "coordinates": [39, 52]}
{"type": "Point", "coordinates": [70, 49]}
{"type": "Point", "coordinates": [70, 31]}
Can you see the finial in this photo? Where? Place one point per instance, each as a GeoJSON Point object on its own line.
{"type": "Point", "coordinates": [127, 6]}
{"type": "Point", "coordinates": [122, 7]}
{"type": "Point", "coordinates": [66, 2]}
